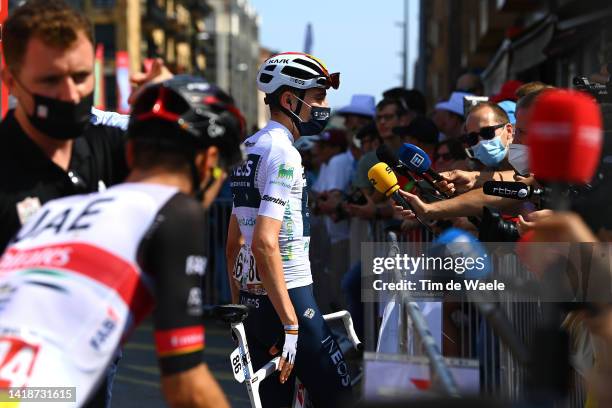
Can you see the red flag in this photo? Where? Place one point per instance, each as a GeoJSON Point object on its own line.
{"type": "Point", "coordinates": [4, 90]}
{"type": "Point", "coordinates": [122, 63]}
{"type": "Point", "coordinates": [99, 94]}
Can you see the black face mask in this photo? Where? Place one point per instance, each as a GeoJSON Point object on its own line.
{"type": "Point", "coordinates": [61, 120]}
{"type": "Point", "coordinates": [319, 117]}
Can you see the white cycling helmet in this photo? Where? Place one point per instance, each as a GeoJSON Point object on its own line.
{"type": "Point", "coordinates": [296, 70]}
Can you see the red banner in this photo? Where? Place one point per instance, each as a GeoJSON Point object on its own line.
{"type": "Point", "coordinates": [99, 94]}
{"type": "Point", "coordinates": [4, 92]}
{"type": "Point", "coordinates": [122, 64]}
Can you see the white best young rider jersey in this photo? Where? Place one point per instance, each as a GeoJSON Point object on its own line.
{"type": "Point", "coordinates": [272, 183]}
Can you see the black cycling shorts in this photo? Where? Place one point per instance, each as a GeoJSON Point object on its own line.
{"type": "Point", "coordinates": [319, 362]}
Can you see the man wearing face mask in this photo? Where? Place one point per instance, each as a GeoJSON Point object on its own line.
{"type": "Point", "coordinates": [490, 136]}
{"type": "Point", "coordinates": [271, 271]}
{"type": "Point", "coordinates": [489, 133]}
{"type": "Point", "coordinates": [49, 150]}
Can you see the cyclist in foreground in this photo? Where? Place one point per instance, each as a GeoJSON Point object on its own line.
{"type": "Point", "coordinates": [271, 271]}
{"type": "Point", "coordinates": [79, 276]}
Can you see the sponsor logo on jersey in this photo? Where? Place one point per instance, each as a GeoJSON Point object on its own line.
{"type": "Point", "coordinates": [280, 183]}
{"type": "Point", "coordinates": [274, 200]}
{"type": "Point", "coordinates": [285, 171]}
{"type": "Point", "coordinates": [335, 355]}
{"type": "Point", "coordinates": [195, 265]}
{"type": "Point", "coordinates": [309, 313]}
{"type": "Point", "coordinates": [58, 256]}
{"type": "Point", "coordinates": [246, 222]}
{"type": "Point", "coordinates": [194, 302]}
{"type": "Point", "coordinates": [27, 208]}
{"type": "Point", "coordinates": [244, 170]}
{"type": "Point", "coordinates": [107, 327]}
{"type": "Point", "coordinates": [180, 340]}
{"type": "Point", "coordinates": [249, 144]}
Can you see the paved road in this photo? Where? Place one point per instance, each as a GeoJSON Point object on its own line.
{"type": "Point", "coordinates": [137, 381]}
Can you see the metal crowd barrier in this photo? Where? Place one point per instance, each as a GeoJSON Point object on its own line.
{"type": "Point", "coordinates": [501, 375]}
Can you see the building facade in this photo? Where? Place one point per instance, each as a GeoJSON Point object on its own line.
{"type": "Point", "coordinates": [218, 39]}
{"type": "Point", "coordinates": [547, 40]}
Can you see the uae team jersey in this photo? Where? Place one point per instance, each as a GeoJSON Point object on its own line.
{"type": "Point", "coordinates": [271, 183]}
{"type": "Point", "coordinates": [85, 270]}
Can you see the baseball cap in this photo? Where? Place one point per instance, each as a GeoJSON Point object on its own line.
{"type": "Point", "coordinates": [507, 91]}
{"type": "Point", "coordinates": [421, 128]}
{"type": "Point", "coordinates": [454, 103]}
{"type": "Point", "coordinates": [362, 105]}
{"type": "Point", "coordinates": [510, 108]}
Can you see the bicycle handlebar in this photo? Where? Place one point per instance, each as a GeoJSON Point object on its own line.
{"type": "Point", "coordinates": [348, 325]}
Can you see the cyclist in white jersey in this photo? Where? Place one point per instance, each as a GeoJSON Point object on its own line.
{"type": "Point", "coordinates": [85, 270]}
{"type": "Point", "coordinates": [270, 269]}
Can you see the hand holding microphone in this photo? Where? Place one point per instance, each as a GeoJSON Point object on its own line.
{"type": "Point", "coordinates": [419, 162]}
{"type": "Point", "coordinates": [384, 181]}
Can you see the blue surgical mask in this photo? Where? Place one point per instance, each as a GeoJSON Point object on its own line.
{"type": "Point", "coordinates": [490, 152]}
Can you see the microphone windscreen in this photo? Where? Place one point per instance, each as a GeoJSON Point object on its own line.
{"type": "Point", "coordinates": [385, 154]}
{"type": "Point", "coordinates": [461, 244]}
{"type": "Point", "coordinates": [383, 179]}
{"type": "Point", "coordinates": [565, 137]}
{"type": "Point", "coordinates": [415, 158]}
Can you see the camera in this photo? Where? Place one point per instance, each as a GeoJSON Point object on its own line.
{"type": "Point", "coordinates": [356, 197]}
{"type": "Point", "coordinates": [602, 93]}
{"type": "Point", "coordinates": [494, 228]}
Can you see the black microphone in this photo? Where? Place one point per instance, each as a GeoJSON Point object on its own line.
{"type": "Point", "coordinates": [386, 155]}
{"type": "Point", "coordinates": [510, 189]}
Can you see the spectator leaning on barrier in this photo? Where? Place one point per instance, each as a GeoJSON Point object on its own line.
{"type": "Point", "coordinates": [448, 116]}
{"type": "Point", "coordinates": [332, 185]}
{"type": "Point", "coordinates": [390, 113]}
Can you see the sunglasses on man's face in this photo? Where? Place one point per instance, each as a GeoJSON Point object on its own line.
{"type": "Point", "coordinates": [486, 133]}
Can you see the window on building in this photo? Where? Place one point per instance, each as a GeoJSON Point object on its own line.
{"type": "Point", "coordinates": [110, 91]}
{"type": "Point", "coordinates": [105, 34]}
{"type": "Point", "coordinates": [77, 4]}
{"type": "Point", "coordinates": [103, 3]}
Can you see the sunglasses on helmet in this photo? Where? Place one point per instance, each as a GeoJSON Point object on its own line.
{"type": "Point", "coordinates": [487, 133]}
{"type": "Point", "coordinates": [330, 81]}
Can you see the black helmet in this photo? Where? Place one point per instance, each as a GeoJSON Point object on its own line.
{"type": "Point", "coordinates": [202, 113]}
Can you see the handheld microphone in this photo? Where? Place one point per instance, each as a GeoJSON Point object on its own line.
{"type": "Point", "coordinates": [384, 181]}
{"type": "Point", "coordinates": [419, 162]}
{"type": "Point", "coordinates": [565, 140]}
{"type": "Point", "coordinates": [386, 155]}
{"type": "Point", "coordinates": [460, 244]}
{"type": "Point", "coordinates": [510, 189]}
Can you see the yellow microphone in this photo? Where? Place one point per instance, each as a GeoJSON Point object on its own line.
{"type": "Point", "coordinates": [384, 180]}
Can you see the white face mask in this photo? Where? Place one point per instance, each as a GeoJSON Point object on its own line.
{"type": "Point", "coordinates": [518, 157]}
